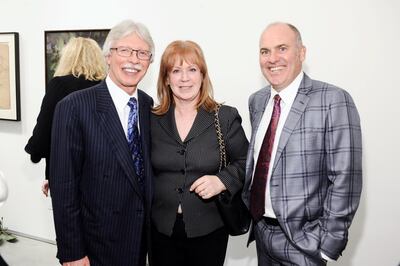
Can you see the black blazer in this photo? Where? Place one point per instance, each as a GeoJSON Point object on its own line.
{"type": "Point", "coordinates": [99, 209]}
{"type": "Point", "coordinates": [39, 144]}
{"type": "Point", "coordinates": [177, 164]}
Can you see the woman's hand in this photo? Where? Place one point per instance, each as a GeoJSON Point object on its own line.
{"type": "Point", "coordinates": [208, 186]}
{"type": "Point", "coordinates": [45, 187]}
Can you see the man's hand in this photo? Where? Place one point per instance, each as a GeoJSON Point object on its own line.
{"type": "Point", "coordinates": [208, 186]}
{"type": "Point", "coordinates": [82, 262]}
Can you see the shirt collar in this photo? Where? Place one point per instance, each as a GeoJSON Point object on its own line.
{"type": "Point", "coordinates": [118, 95]}
{"type": "Point", "coordinates": [289, 93]}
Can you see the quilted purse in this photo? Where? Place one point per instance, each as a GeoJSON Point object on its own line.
{"type": "Point", "coordinates": [232, 209]}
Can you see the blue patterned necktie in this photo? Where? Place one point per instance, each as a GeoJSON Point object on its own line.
{"type": "Point", "coordinates": [135, 145]}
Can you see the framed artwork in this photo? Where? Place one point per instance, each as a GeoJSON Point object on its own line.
{"type": "Point", "coordinates": [9, 77]}
{"type": "Point", "coordinates": [55, 40]}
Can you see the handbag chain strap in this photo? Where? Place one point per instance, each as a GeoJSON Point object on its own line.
{"type": "Point", "coordinates": [220, 137]}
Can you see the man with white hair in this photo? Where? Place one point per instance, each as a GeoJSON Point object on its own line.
{"type": "Point", "coordinates": [100, 169]}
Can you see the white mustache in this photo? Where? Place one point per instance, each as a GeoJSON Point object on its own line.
{"type": "Point", "coordinates": [137, 67]}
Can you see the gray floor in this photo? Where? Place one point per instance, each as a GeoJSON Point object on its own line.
{"type": "Point", "coordinates": [27, 251]}
{"type": "Point", "coordinates": [30, 252]}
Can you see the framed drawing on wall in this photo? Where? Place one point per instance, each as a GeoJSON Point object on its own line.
{"type": "Point", "coordinates": [9, 77]}
{"type": "Point", "coordinates": [55, 40]}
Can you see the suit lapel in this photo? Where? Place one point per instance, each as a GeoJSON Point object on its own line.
{"type": "Point", "coordinates": [259, 109]}
{"type": "Point", "coordinates": [202, 121]}
{"type": "Point", "coordinates": [144, 119]}
{"type": "Point", "coordinates": [167, 122]}
{"type": "Point", "coordinates": [145, 105]}
{"type": "Point", "coordinates": [296, 112]}
{"type": "Point", "coordinates": [110, 123]}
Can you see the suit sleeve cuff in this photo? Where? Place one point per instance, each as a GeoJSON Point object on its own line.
{"type": "Point", "coordinates": [325, 257]}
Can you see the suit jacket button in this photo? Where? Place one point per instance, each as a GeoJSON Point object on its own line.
{"type": "Point", "coordinates": [181, 152]}
{"type": "Point", "coordinates": [182, 171]}
{"type": "Point", "coordinates": [180, 190]}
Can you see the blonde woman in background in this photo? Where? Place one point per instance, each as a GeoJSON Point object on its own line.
{"type": "Point", "coordinates": [81, 65]}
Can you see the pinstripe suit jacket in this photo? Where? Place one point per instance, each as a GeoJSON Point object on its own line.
{"type": "Point", "coordinates": [317, 176]}
{"type": "Point", "coordinates": [99, 209]}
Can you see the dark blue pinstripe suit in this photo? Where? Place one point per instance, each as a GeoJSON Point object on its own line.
{"type": "Point", "coordinates": [99, 209]}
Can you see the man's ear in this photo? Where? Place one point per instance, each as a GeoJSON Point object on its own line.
{"type": "Point", "coordinates": [108, 59]}
{"type": "Point", "coordinates": [303, 51]}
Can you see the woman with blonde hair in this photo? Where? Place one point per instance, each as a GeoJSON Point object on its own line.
{"type": "Point", "coordinates": [81, 65]}
{"type": "Point", "coordinates": [187, 228]}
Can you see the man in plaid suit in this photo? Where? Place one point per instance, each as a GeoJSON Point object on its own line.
{"type": "Point", "coordinates": [313, 171]}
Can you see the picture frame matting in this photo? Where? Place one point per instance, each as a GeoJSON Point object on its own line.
{"type": "Point", "coordinates": [9, 77]}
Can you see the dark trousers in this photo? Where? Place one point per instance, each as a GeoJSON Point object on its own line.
{"type": "Point", "coordinates": [179, 250]}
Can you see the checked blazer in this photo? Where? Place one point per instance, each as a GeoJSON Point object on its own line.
{"type": "Point", "coordinates": [316, 178]}
{"type": "Point", "coordinates": [99, 209]}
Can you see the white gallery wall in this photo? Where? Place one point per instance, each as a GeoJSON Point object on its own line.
{"type": "Point", "coordinates": [352, 44]}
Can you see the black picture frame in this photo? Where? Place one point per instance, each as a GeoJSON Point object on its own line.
{"type": "Point", "coordinates": [10, 105]}
{"type": "Point", "coordinates": [55, 40]}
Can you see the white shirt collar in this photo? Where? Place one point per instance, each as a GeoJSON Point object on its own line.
{"type": "Point", "coordinates": [118, 95]}
{"type": "Point", "coordinates": [121, 99]}
{"type": "Point", "coordinates": [289, 93]}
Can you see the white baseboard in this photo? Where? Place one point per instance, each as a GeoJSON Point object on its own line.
{"type": "Point", "coordinates": [53, 242]}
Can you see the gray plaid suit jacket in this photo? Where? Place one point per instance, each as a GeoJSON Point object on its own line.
{"type": "Point", "coordinates": [316, 178]}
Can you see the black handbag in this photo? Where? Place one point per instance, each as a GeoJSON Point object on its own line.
{"type": "Point", "coordinates": [232, 209]}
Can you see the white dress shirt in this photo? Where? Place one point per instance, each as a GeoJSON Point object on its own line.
{"type": "Point", "coordinates": [287, 98]}
{"type": "Point", "coordinates": [121, 99]}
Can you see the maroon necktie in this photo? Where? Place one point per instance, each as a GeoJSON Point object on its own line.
{"type": "Point", "coordinates": [257, 196]}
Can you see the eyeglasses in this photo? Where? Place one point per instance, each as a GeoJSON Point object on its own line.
{"type": "Point", "coordinates": [127, 52]}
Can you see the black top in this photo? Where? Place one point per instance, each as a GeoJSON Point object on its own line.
{"type": "Point", "coordinates": [39, 144]}
{"type": "Point", "coordinates": [177, 164]}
